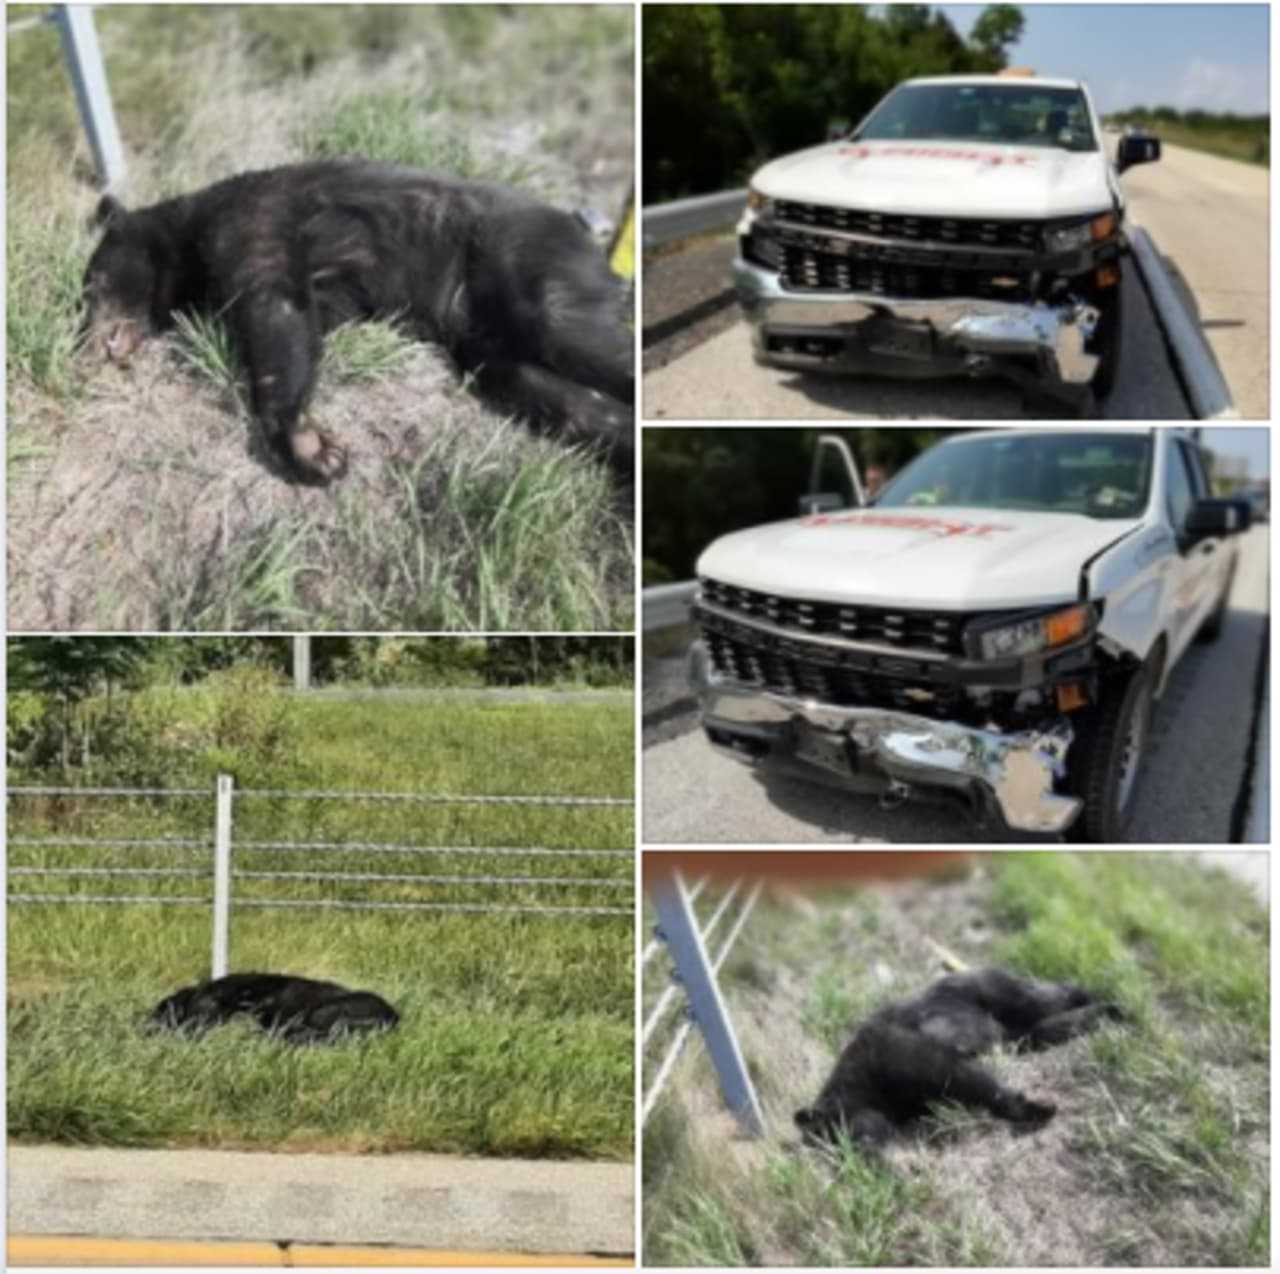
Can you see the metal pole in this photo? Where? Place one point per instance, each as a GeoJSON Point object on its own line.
{"type": "Point", "coordinates": [678, 927]}
{"type": "Point", "coordinates": [222, 876]}
{"type": "Point", "coordinates": [93, 95]}
{"type": "Point", "coordinates": [302, 663]}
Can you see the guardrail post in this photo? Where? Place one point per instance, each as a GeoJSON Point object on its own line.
{"type": "Point", "coordinates": [93, 97]}
{"type": "Point", "coordinates": [222, 876]}
{"type": "Point", "coordinates": [678, 927]}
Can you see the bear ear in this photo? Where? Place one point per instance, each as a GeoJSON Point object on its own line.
{"type": "Point", "coordinates": [806, 1117]}
{"type": "Point", "coordinates": [109, 209]}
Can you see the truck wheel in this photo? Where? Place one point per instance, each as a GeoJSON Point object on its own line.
{"type": "Point", "coordinates": [1109, 753]}
{"type": "Point", "coordinates": [1106, 343]}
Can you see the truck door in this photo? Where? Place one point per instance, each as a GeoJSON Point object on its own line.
{"type": "Point", "coordinates": [834, 480]}
{"type": "Point", "coordinates": [1200, 564]}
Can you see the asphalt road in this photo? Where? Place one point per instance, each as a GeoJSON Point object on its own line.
{"type": "Point", "coordinates": [704, 370]}
{"type": "Point", "coordinates": [1211, 218]}
{"type": "Point", "coordinates": [1196, 769]}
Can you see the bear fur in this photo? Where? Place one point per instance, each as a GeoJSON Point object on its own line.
{"type": "Point", "coordinates": [913, 1052]}
{"type": "Point", "coordinates": [517, 293]}
{"type": "Point", "coordinates": [298, 1010]}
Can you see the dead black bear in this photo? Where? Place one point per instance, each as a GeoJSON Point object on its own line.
{"type": "Point", "coordinates": [914, 1052]}
{"type": "Point", "coordinates": [515, 291]}
{"type": "Point", "coordinates": [298, 1010]}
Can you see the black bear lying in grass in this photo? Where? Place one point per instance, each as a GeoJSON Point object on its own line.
{"type": "Point", "coordinates": [914, 1052]}
{"type": "Point", "coordinates": [299, 1010]}
{"type": "Point", "coordinates": [516, 292]}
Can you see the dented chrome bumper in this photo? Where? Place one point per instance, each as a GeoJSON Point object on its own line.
{"type": "Point", "coordinates": [867, 332]}
{"type": "Point", "coordinates": [870, 749]}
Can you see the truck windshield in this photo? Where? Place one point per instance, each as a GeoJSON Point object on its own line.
{"type": "Point", "coordinates": [1098, 474]}
{"type": "Point", "coordinates": [1003, 114]}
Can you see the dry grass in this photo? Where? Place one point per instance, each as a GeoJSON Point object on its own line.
{"type": "Point", "coordinates": [145, 498]}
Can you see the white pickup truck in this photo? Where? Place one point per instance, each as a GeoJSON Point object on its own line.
{"type": "Point", "coordinates": [970, 224]}
{"type": "Point", "coordinates": [994, 625]}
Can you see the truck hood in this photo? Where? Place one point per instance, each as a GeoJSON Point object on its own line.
{"type": "Point", "coordinates": [942, 179]}
{"type": "Point", "coordinates": [932, 558]}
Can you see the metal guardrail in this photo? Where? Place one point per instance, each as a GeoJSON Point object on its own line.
{"type": "Point", "coordinates": [1206, 386]}
{"type": "Point", "coordinates": [666, 605]}
{"type": "Point", "coordinates": [694, 971]}
{"type": "Point", "coordinates": [680, 218]}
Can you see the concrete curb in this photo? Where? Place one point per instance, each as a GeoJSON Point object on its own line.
{"type": "Point", "coordinates": [26, 1250]}
{"type": "Point", "coordinates": [430, 1202]}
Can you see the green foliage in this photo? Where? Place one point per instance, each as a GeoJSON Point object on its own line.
{"type": "Point", "coordinates": [727, 87]}
{"type": "Point", "coordinates": [205, 345]}
{"type": "Point", "coordinates": [405, 128]}
{"type": "Point", "coordinates": [998, 26]}
{"type": "Point", "coordinates": [365, 351]}
{"type": "Point", "coordinates": [700, 483]}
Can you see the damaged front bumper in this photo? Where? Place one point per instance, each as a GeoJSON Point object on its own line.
{"type": "Point", "coordinates": [895, 753]}
{"type": "Point", "coordinates": [869, 333]}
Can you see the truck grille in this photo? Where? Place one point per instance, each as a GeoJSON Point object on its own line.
{"type": "Point", "coordinates": [884, 225]}
{"type": "Point", "coordinates": [941, 632]}
{"type": "Point", "coordinates": [810, 270]}
{"type": "Point", "coordinates": [789, 673]}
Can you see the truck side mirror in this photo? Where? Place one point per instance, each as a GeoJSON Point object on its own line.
{"type": "Point", "coordinates": [1217, 517]}
{"type": "Point", "coordinates": [1136, 149]}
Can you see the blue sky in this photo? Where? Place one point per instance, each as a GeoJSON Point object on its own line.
{"type": "Point", "coordinates": [1253, 444]}
{"type": "Point", "coordinates": [1211, 56]}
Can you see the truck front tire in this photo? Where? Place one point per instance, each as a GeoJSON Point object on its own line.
{"type": "Point", "coordinates": [1106, 342]}
{"type": "Point", "coordinates": [1106, 770]}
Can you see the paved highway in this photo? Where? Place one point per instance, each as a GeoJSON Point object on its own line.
{"type": "Point", "coordinates": [1210, 218]}
{"type": "Point", "coordinates": [1197, 767]}
{"type": "Point", "coordinates": [706, 371]}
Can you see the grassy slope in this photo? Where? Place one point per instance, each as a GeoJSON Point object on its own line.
{"type": "Point", "coordinates": [1159, 1153]}
{"type": "Point", "coordinates": [164, 511]}
{"type": "Point", "coordinates": [517, 1033]}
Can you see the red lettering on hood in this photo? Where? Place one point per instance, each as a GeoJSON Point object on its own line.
{"type": "Point", "coordinates": [939, 152]}
{"type": "Point", "coordinates": [941, 527]}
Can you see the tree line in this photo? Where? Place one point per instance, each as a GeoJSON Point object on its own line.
{"type": "Point", "coordinates": [729, 86]}
{"type": "Point", "coordinates": [701, 483]}
{"type": "Point", "coordinates": [71, 668]}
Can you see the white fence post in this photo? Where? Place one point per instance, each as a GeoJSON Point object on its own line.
{"type": "Point", "coordinates": [222, 876]}
{"type": "Point", "coordinates": [678, 928]}
{"type": "Point", "coordinates": [302, 663]}
{"type": "Point", "coordinates": [89, 79]}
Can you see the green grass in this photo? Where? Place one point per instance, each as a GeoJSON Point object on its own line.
{"type": "Point", "coordinates": [516, 1032]}
{"type": "Point", "coordinates": [1160, 1150]}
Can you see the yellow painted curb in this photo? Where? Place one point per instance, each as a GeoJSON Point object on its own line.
{"type": "Point", "coordinates": [55, 1250]}
{"type": "Point", "coordinates": [305, 1255]}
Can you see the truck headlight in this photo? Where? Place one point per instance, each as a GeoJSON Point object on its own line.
{"type": "Point", "coordinates": [1032, 634]}
{"type": "Point", "coordinates": [1071, 238]}
{"type": "Point", "coordinates": [760, 204]}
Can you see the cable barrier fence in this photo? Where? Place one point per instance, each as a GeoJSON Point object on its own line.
{"type": "Point", "coordinates": [229, 848]}
{"type": "Point", "coordinates": [690, 995]}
